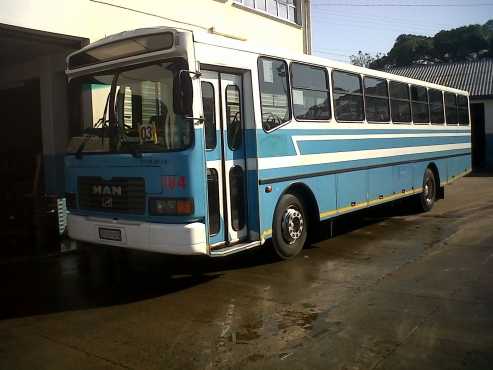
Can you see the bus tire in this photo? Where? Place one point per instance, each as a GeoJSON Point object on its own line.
{"type": "Point", "coordinates": [289, 227]}
{"type": "Point", "coordinates": [427, 198]}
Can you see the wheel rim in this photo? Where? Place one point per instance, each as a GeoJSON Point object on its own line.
{"type": "Point", "coordinates": [292, 224]}
{"type": "Point", "coordinates": [429, 190]}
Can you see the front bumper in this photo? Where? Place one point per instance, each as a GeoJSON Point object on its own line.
{"type": "Point", "coordinates": [184, 239]}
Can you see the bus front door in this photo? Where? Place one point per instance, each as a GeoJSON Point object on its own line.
{"type": "Point", "coordinates": [222, 98]}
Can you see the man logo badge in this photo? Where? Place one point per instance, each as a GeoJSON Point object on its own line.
{"type": "Point", "coordinates": [108, 190]}
{"type": "Point", "coordinates": [107, 202]}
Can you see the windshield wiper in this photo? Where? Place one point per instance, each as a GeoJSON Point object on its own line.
{"type": "Point", "coordinates": [100, 122]}
{"type": "Point", "coordinates": [132, 148]}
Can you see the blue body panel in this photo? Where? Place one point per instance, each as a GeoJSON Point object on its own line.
{"type": "Point", "coordinates": [352, 188]}
{"type": "Point", "coordinates": [154, 168]}
{"type": "Point", "coordinates": [337, 186]}
{"type": "Point", "coordinates": [340, 185]}
{"type": "Point", "coordinates": [403, 178]}
{"type": "Point", "coordinates": [380, 182]}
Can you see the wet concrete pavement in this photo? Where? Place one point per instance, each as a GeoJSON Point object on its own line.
{"type": "Point", "coordinates": [392, 290]}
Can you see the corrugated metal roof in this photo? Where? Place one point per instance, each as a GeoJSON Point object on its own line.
{"type": "Point", "coordinates": [475, 77]}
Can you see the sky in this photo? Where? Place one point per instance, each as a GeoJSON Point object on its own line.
{"type": "Point", "coordinates": [340, 28]}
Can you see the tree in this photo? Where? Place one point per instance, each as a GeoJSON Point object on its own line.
{"type": "Point", "coordinates": [363, 59]}
{"type": "Point", "coordinates": [459, 44]}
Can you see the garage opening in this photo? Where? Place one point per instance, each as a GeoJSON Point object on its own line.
{"type": "Point", "coordinates": [20, 159]}
{"type": "Point", "coordinates": [33, 113]}
{"type": "Point", "coordinates": [478, 136]}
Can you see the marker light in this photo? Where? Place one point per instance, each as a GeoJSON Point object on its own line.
{"type": "Point", "coordinates": [171, 206]}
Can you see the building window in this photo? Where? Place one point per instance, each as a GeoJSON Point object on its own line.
{"type": "Point", "coordinates": [310, 91]}
{"type": "Point", "coordinates": [284, 9]}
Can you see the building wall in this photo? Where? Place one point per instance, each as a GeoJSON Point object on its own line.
{"type": "Point", "coordinates": [49, 70]}
{"type": "Point", "coordinates": [96, 19]}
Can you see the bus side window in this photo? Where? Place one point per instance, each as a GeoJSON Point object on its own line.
{"type": "Point", "coordinates": [209, 105]}
{"type": "Point", "coordinates": [463, 110]}
{"type": "Point", "coordinates": [310, 91]}
{"type": "Point", "coordinates": [451, 108]}
{"type": "Point", "coordinates": [377, 100]}
{"type": "Point", "coordinates": [233, 116]}
{"type": "Point", "coordinates": [420, 108]}
{"type": "Point", "coordinates": [436, 107]}
{"type": "Point", "coordinates": [274, 92]}
{"type": "Point", "coordinates": [400, 105]}
{"type": "Point", "coordinates": [348, 96]}
{"type": "Point", "coordinates": [213, 200]}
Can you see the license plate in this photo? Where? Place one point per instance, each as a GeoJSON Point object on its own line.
{"type": "Point", "coordinates": [110, 234]}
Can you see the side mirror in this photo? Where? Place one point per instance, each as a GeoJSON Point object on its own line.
{"type": "Point", "coordinates": [182, 93]}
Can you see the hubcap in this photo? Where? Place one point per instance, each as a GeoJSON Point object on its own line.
{"type": "Point", "coordinates": [429, 190]}
{"type": "Point", "coordinates": [292, 225]}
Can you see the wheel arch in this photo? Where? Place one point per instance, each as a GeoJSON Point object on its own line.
{"type": "Point", "coordinates": [440, 189]}
{"type": "Point", "coordinates": [305, 194]}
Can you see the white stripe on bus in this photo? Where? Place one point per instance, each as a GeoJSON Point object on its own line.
{"type": "Point", "coordinates": [323, 158]}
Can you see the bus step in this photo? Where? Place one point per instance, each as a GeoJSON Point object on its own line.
{"type": "Point", "coordinates": [233, 249]}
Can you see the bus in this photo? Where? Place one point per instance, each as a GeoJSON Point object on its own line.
{"type": "Point", "coordinates": [193, 143]}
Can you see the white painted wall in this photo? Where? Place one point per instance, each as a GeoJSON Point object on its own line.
{"type": "Point", "coordinates": [95, 20]}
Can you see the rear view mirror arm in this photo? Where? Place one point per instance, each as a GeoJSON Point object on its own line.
{"type": "Point", "coordinates": [196, 120]}
{"type": "Point", "coordinates": [192, 73]}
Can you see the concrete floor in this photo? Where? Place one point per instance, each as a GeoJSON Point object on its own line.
{"type": "Point", "coordinates": [390, 291]}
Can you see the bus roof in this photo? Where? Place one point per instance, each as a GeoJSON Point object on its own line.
{"type": "Point", "coordinates": [222, 41]}
{"type": "Point", "coordinates": [245, 46]}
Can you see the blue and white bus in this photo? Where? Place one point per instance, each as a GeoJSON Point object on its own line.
{"type": "Point", "coordinates": [192, 143]}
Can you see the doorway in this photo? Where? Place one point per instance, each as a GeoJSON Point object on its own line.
{"type": "Point", "coordinates": [20, 157]}
{"type": "Point", "coordinates": [478, 140]}
{"type": "Point", "coordinates": [222, 96]}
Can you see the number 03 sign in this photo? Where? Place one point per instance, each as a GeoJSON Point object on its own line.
{"type": "Point", "coordinates": [147, 134]}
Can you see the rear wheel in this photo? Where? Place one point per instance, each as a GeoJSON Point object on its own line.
{"type": "Point", "coordinates": [289, 227]}
{"type": "Point", "coordinates": [427, 198]}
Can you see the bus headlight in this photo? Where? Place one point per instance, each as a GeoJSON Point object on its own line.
{"type": "Point", "coordinates": [171, 206]}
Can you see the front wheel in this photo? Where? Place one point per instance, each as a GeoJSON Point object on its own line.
{"type": "Point", "coordinates": [428, 195]}
{"type": "Point", "coordinates": [289, 227]}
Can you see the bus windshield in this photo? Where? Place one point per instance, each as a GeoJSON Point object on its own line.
{"type": "Point", "coordinates": [130, 110]}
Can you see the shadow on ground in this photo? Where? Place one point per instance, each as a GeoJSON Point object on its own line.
{"type": "Point", "coordinates": [96, 276]}
{"type": "Point", "coordinates": [482, 172]}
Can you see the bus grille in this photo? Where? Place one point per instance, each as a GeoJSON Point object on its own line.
{"type": "Point", "coordinates": [125, 194]}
